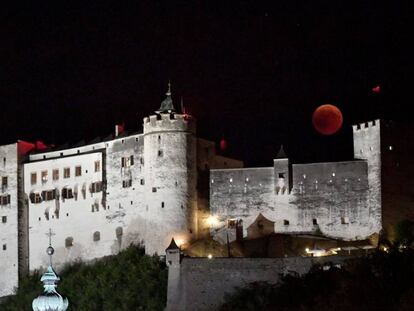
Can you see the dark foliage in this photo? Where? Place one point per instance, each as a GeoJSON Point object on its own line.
{"type": "Point", "coordinates": [128, 281]}
{"type": "Point", "coordinates": [383, 281]}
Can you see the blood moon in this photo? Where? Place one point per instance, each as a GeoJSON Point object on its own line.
{"type": "Point", "coordinates": [327, 119]}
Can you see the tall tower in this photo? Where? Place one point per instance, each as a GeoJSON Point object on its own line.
{"type": "Point", "coordinates": [367, 146]}
{"type": "Point", "coordinates": [170, 177]}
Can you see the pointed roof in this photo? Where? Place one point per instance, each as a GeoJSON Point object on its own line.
{"type": "Point", "coordinates": [281, 154]}
{"type": "Point", "coordinates": [172, 245]}
{"type": "Point", "coordinates": [167, 103]}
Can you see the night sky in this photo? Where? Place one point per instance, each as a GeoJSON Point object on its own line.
{"type": "Point", "coordinates": [248, 71]}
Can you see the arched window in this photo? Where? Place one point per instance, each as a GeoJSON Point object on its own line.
{"type": "Point", "coordinates": [96, 236]}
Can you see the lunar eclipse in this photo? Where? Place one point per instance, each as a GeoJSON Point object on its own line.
{"type": "Point", "coordinates": [327, 119]}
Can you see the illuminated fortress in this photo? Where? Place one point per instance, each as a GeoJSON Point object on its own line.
{"type": "Point", "coordinates": [148, 187]}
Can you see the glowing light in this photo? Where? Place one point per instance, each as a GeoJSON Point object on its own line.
{"type": "Point", "coordinates": [376, 89]}
{"type": "Point", "coordinates": [307, 250]}
{"type": "Point", "coordinates": [209, 256]}
{"type": "Point", "coordinates": [212, 221]}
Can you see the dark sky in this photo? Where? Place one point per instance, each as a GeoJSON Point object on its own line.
{"type": "Point", "coordinates": [249, 71]}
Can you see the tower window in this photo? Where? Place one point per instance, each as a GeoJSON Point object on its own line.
{"type": "Point", "coordinates": [66, 172]}
{"type": "Point", "coordinates": [33, 178]}
{"type": "Point", "coordinates": [4, 182]}
{"type": "Point", "coordinates": [160, 153]}
{"type": "Point", "coordinates": [78, 171]}
{"type": "Point", "coordinates": [97, 166]}
{"type": "Point", "coordinates": [55, 174]}
{"type": "Point", "coordinates": [344, 220]}
{"type": "Point", "coordinates": [159, 138]}
{"type": "Point", "coordinates": [281, 175]}
{"type": "Point", "coordinates": [69, 242]}
{"type": "Point", "coordinates": [127, 183]}
{"type": "Point", "coordinates": [286, 222]}
{"type": "Point", "coordinates": [314, 221]}
{"type": "Point", "coordinates": [96, 236]}
{"type": "Point", "coordinates": [154, 189]}
{"type": "Point", "coordinates": [4, 247]}
{"type": "Point", "coordinates": [162, 204]}
{"type": "Point", "coordinates": [131, 160]}
{"type": "Point", "coordinates": [4, 219]}
{"type": "Point", "coordinates": [142, 181]}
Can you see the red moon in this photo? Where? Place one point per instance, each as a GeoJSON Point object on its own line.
{"type": "Point", "coordinates": [327, 119]}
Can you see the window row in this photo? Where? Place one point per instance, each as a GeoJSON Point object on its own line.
{"type": "Point", "coordinates": [5, 199]}
{"type": "Point", "coordinates": [44, 175]}
{"type": "Point", "coordinates": [69, 242]}
{"type": "Point", "coordinates": [66, 193]}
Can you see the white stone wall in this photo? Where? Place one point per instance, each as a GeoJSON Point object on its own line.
{"type": "Point", "coordinates": [9, 229]}
{"type": "Point", "coordinates": [170, 180]}
{"type": "Point", "coordinates": [75, 219]}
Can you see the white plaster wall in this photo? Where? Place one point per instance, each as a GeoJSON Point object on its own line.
{"type": "Point", "coordinates": [174, 176]}
{"type": "Point", "coordinates": [9, 230]}
{"type": "Point", "coordinates": [76, 218]}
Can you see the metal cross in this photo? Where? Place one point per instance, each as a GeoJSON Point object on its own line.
{"type": "Point", "coordinates": [50, 249]}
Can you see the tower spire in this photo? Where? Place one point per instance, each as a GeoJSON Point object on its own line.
{"type": "Point", "coordinates": [167, 104]}
{"type": "Point", "coordinates": [50, 299]}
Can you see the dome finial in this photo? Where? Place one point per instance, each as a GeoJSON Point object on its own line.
{"type": "Point", "coordinates": [50, 300]}
{"type": "Point", "coordinates": [167, 104]}
{"type": "Point", "coordinates": [169, 89]}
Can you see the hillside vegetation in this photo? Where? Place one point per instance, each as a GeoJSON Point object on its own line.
{"type": "Point", "coordinates": [129, 281]}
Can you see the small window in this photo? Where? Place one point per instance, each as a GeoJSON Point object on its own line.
{"type": "Point", "coordinates": [162, 204]}
{"type": "Point", "coordinates": [126, 161]}
{"type": "Point", "coordinates": [35, 197]}
{"type": "Point", "coordinates": [3, 219]}
{"type": "Point", "coordinates": [281, 175]}
{"type": "Point", "coordinates": [48, 195]}
{"type": "Point", "coordinates": [96, 187]}
{"type": "Point", "coordinates": [5, 199]}
{"type": "Point", "coordinates": [44, 176]}
{"type": "Point", "coordinates": [67, 193]}
{"type": "Point", "coordinates": [55, 174]}
{"type": "Point", "coordinates": [33, 178]}
{"type": "Point", "coordinates": [142, 181]}
{"type": "Point", "coordinates": [142, 160]}
{"type": "Point", "coordinates": [131, 160]}
{"type": "Point", "coordinates": [97, 166]}
{"type": "Point", "coordinates": [314, 221]}
{"type": "Point", "coordinates": [127, 183]}
{"type": "Point", "coordinates": [96, 236]}
{"type": "Point", "coordinates": [69, 242]}
{"type": "Point", "coordinates": [154, 189]}
{"type": "Point", "coordinates": [4, 247]}
{"type": "Point", "coordinates": [78, 171]}
{"type": "Point", "coordinates": [286, 222]}
{"type": "Point", "coordinates": [66, 172]}
{"type": "Point", "coordinates": [119, 232]}
{"type": "Point", "coordinates": [159, 138]}
{"type": "Point", "coordinates": [344, 220]}
{"type": "Point", "coordinates": [160, 153]}
{"type": "Point", "coordinates": [4, 182]}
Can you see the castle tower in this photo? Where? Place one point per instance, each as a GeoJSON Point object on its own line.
{"type": "Point", "coordinates": [282, 172]}
{"type": "Point", "coordinates": [367, 146]}
{"type": "Point", "coordinates": [170, 177]}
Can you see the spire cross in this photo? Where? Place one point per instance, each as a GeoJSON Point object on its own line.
{"type": "Point", "coordinates": [169, 88]}
{"type": "Point", "coordinates": [50, 249]}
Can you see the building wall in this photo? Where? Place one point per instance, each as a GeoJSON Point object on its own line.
{"type": "Point", "coordinates": [201, 284]}
{"type": "Point", "coordinates": [9, 224]}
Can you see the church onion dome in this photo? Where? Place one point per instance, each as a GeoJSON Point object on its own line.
{"type": "Point", "coordinates": [167, 104]}
{"type": "Point", "coordinates": [50, 300]}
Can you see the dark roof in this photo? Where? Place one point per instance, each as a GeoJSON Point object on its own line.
{"type": "Point", "coordinates": [281, 154]}
{"type": "Point", "coordinates": [172, 245]}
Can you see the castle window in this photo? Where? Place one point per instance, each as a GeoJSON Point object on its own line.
{"type": "Point", "coordinates": [119, 232]}
{"type": "Point", "coordinates": [4, 161]}
{"type": "Point", "coordinates": [162, 204]}
{"type": "Point", "coordinates": [96, 187]}
{"type": "Point", "coordinates": [247, 179]}
{"type": "Point", "coordinates": [333, 174]}
{"type": "Point", "coordinates": [5, 199]}
{"type": "Point", "coordinates": [159, 138]}
{"type": "Point", "coordinates": [131, 160]}
{"type": "Point", "coordinates": [97, 166]}
{"type": "Point", "coordinates": [67, 193]}
{"type": "Point", "coordinates": [281, 175]}
{"type": "Point", "coordinates": [78, 171]}
{"type": "Point", "coordinates": [304, 176]}
{"type": "Point", "coordinates": [142, 181]}
{"type": "Point", "coordinates": [370, 148]}
{"type": "Point", "coordinates": [154, 189]}
{"type": "Point", "coordinates": [55, 174]}
{"type": "Point", "coordinates": [3, 219]}
{"type": "Point", "coordinates": [49, 195]}
{"type": "Point", "coordinates": [125, 161]}
{"type": "Point", "coordinates": [315, 221]}
{"type": "Point", "coordinates": [390, 148]}
{"type": "Point", "coordinates": [66, 172]}
{"type": "Point", "coordinates": [127, 183]}
{"type": "Point", "coordinates": [344, 220]}
{"type": "Point", "coordinates": [69, 242]}
{"type": "Point", "coordinates": [35, 197]}
{"type": "Point", "coordinates": [44, 176]}
{"type": "Point", "coordinates": [4, 182]}
{"type": "Point", "coordinates": [61, 154]}
{"type": "Point", "coordinates": [4, 247]}
{"type": "Point", "coordinates": [212, 181]}
{"type": "Point", "coordinates": [316, 184]}
{"type": "Point", "coordinates": [231, 179]}
{"type": "Point", "coordinates": [33, 178]}
{"type": "Point", "coordinates": [160, 153]}
{"type": "Point", "coordinates": [286, 222]}
{"type": "Point", "coordinates": [96, 236]}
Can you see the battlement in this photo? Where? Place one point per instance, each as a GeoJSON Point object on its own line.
{"type": "Point", "coordinates": [366, 125]}
{"type": "Point", "coordinates": [169, 121]}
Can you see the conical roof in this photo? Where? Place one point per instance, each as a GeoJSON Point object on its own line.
{"type": "Point", "coordinates": [281, 154]}
{"type": "Point", "coordinates": [167, 103]}
{"type": "Point", "coordinates": [172, 245]}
